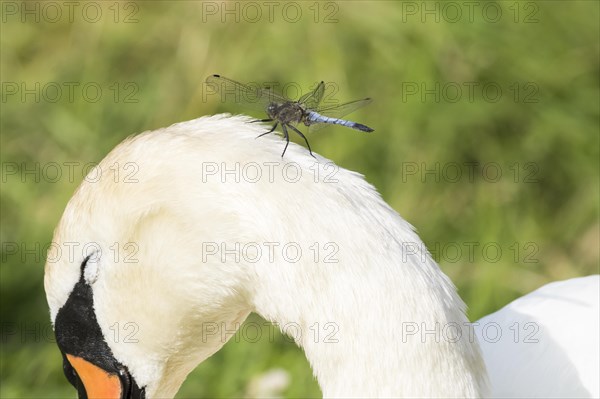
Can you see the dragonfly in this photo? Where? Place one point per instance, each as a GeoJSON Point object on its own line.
{"type": "Point", "coordinates": [288, 113]}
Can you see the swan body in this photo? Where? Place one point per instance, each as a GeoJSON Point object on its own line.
{"type": "Point", "coordinates": [213, 225]}
{"type": "Point", "coordinates": [545, 344]}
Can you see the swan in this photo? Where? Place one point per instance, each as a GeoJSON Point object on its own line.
{"type": "Point", "coordinates": [209, 225]}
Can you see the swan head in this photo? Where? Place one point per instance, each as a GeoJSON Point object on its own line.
{"type": "Point", "coordinates": [134, 305]}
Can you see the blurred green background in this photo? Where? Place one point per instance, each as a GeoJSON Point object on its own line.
{"type": "Point", "coordinates": [464, 91]}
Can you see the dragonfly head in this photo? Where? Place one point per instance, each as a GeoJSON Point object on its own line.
{"type": "Point", "coordinates": [272, 110]}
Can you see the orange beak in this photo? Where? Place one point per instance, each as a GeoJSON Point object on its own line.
{"type": "Point", "coordinates": [98, 383]}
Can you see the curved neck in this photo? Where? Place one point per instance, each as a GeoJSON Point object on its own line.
{"type": "Point", "coordinates": [371, 309]}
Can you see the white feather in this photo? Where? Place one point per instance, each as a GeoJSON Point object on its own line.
{"type": "Point", "coordinates": [545, 344]}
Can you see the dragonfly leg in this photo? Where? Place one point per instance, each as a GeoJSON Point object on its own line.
{"type": "Point", "coordinates": [305, 140]}
{"type": "Point", "coordinates": [273, 128]}
{"type": "Point", "coordinates": [287, 138]}
{"type": "Point", "coordinates": [261, 120]}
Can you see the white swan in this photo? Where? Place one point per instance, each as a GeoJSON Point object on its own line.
{"type": "Point", "coordinates": [210, 224]}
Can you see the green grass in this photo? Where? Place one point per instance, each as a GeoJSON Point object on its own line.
{"type": "Point", "coordinates": [542, 133]}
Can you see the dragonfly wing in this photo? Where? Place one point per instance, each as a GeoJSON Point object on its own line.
{"type": "Point", "coordinates": [312, 99]}
{"type": "Point", "coordinates": [250, 96]}
{"type": "Point", "coordinates": [338, 111]}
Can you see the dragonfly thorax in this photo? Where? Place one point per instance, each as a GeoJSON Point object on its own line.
{"type": "Point", "coordinates": [286, 113]}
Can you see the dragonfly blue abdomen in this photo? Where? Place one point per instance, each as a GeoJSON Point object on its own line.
{"type": "Point", "coordinates": [315, 117]}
